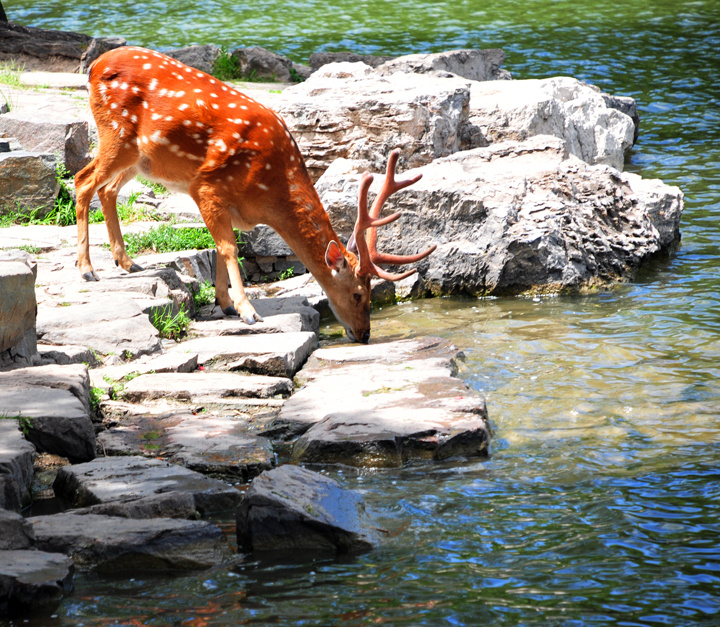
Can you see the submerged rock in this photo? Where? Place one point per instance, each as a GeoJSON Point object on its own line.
{"type": "Point", "coordinates": [291, 509]}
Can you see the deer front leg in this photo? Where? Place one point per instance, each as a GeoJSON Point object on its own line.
{"type": "Point", "coordinates": [108, 198]}
{"type": "Point", "coordinates": [85, 189]}
{"type": "Point", "coordinates": [240, 305]}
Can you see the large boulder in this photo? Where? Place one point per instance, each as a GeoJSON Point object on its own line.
{"type": "Point", "coordinates": [291, 510]}
{"type": "Point", "coordinates": [256, 62]}
{"type": "Point", "coordinates": [200, 57]}
{"type": "Point", "coordinates": [476, 65]}
{"type": "Point", "coordinates": [517, 217]}
{"type": "Point", "coordinates": [348, 110]}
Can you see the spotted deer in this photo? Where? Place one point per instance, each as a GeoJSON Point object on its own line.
{"type": "Point", "coordinates": [237, 160]}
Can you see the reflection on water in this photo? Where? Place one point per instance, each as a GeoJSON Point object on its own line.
{"type": "Point", "coordinates": [600, 501]}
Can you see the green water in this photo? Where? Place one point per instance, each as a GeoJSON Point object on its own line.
{"type": "Point", "coordinates": [600, 502]}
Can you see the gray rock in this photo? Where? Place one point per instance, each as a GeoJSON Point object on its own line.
{"type": "Point", "coordinates": [625, 105]}
{"type": "Point", "coordinates": [68, 139]}
{"type": "Point", "coordinates": [54, 420]}
{"type": "Point", "coordinates": [382, 405]}
{"type": "Point", "coordinates": [172, 505]}
{"type": "Point", "coordinates": [575, 112]}
{"type": "Point", "coordinates": [203, 386]}
{"type": "Point", "coordinates": [18, 309]}
{"type": "Point", "coordinates": [111, 544]}
{"type": "Point", "coordinates": [96, 47]}
{"type": "Point", "coordinates": [110, 324]}
{"type": "Point", "coordinates": [257, 62]}
{"type": "Point", "coordinates": [319, 59]}
{"type": "Point", "coordinates": [199, 264]}
{"type": "Point", "coordinates": [67, 354]}
{"type": "Point", "coordinates": [348, 110]}
{"type": "Point", "coordinates": [124, 479]}
{"type": "Point", "coordinates": [291, 509]}
{"type": "Point", "coordinates": [74, 378]}
{"type": "Point", "coordinates": [169, 362]}
{"type": "Point", "coordinates": [15, 531]}
{"type": "Point", "coordinates": [518, 217]}
{"type": "Point", "coordinates": [200, 57]}
{"type": "Point", "coordinates": [273, 354]}
{"type": "Point", "coordinates": [16, 466]}
{"type": "Point", "coordinates": [31, 580]}
{"type": "Point", "coordinates": [27, 182]}
{"type": "Point", "coordinates": [262, 241]}
{"type": "Point", "coordinates": [476, 65]}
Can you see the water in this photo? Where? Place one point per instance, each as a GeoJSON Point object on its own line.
{"type": "Point", "coordinates": [599, 504]}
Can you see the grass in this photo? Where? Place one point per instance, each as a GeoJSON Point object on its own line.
{"type": "Point", "coordinates": [226, 66]}
{"type": "Point", "coordinates": [158, 189]}
{"type": "Point", "coordinates": [205, 295]}
{"type": "Point", "coordinates": [10, 73]}
{"type": "Point", "coordinates": [169, 326]}
{"type": "Point", "coordinates": [24, 422]}
{"type": "Point", "coordinates": [165, 238]}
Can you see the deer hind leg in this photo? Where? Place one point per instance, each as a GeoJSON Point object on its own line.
{"type": "Point", "coordinates": [220, 226]}
{"type": "Point", "coordinates": [98, 173]}
{"type": "Point", "coordinates": [108, 198]}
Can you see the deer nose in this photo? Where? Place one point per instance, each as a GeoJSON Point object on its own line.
{"type": "Point", "coordinates": [365, 337]}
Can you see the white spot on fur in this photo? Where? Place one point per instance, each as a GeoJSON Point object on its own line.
{"type": "Point", "coordinates": [264, 187]}
{"type": "Point", "coordinates": [153, 84]}
{"type": "Point", "coordinates": [200, 103]}
{"type": "Point", "coordinates": [147, 66]}
{"type": "Point", "coordinates": [145, 104]}
{"type": "Point", "coordinates": [183, 106]}
{"type": "Point", "coordinates": [179, 94]}
{"type": "Point", "coordinates": [155, 116]}
{"type": "Point", "coordinates": [114, 84]}
{"type": "Point", "coordinates": [114, 124]}
{"type": "Point", "coordinates": [221, 145]}
{"type": "Point", "coordinates": [267, 166]}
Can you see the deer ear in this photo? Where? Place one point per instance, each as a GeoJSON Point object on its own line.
{"type": "Point", "coordinates": [334, 257]}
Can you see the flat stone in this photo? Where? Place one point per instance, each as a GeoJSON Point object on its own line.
{"type": "Point", "coordinates": [16, 466]}
{"type": "Point", "coordinates": [203, 386]}
{"type": "Point", "coordinates": [15, 531]}
{"type": "Point", "coordinates": [171, 505]}
{"type": "Point", "coordinates": [28, 178]}
{"type": "Point", "coordinates": [291, 509]}
{"type": "Point", "coordinates": [216, 445]}
{"type": "Point", "coordinates": [276, 354]}
{"type": "Point", "coordinates": [67, 354]}
{"type": "Point", "coordinates": [109, 324]}
{"type": "Point", "coordinates": [382, 405]}
{"type": "Point", "coordinates": [122, 479]}
{"type": "Point", "coordinates": [72, 377]}
{"type": "Point", "coordinates": [30, 580]}
{"type": "Point", "coordinates": [167, 362]}
{"type": "Point", "coordinates": [55, 421]}
{"type": "Point", "coordinates": [17, 302]}
{"type": "Point", "coordinates": [111, 544]}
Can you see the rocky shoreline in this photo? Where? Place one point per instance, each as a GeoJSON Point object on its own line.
{"type": "Point", "coordinates": [150, 439]}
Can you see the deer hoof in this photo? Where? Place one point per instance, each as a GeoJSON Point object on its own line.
{"type": "Point", "coordinates": [230, 311]}
{"type": "Point", "coordinates": [90, 276]}
{"type": "Point", "coordinates": [136, 268]}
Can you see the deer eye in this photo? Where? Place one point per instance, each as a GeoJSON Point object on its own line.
{"type": "Point", "coordinates": [357, 298]}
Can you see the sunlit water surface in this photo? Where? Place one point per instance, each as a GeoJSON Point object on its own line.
{"type": "Point", "coordinates": [600, 501]}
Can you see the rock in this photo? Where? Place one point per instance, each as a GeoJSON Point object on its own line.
{"type": "Point", "coordinates": [319, 59]}
{"type": "Point", "coordinates": [27, 182]}
{"type": "Point", "coordinates": [67, 139]}
{"type": "Point", "coordinates": [172, 505]}
{"type": "Point", "coordinates": [476, 65]}
{"type": "Point", "coordinates": [203, 386]}
{"type": "Point", "coordinates": [262, 241]}
{"type": "Point", "coordinates": [382, 405]}
{"type": "Point", "coordinates": [518, 217]}
{"type": "Point", "coordinates": [348, 110]}
{"type": "Point", "coordinates": [256, 62]}
{"type": "Point", "coordinates": [31, 580]}
{"type": "Point", "coordinates": [110, 544]}
{"type": "Point", "coordinates": [291, 509]}
{"type": "Point", "coordinates": [169, 362]}
{"type": "Point", "coordinates": [199, 264]}
{"type": "Point", "coordinates": [200, 57]}
{"type": "Point", "coordinates": [125, 479]}
{"type": "Point", "coordinates": [109, 324]}
{"type": "Point", "coordinates": [18, 309]}
{"type": "Point", "coordinates": [73, 378]}
{"type": "Point", "coordinates": [67, 354]}
{"type": "Point", "coordinates": [15, 531]}
{"type": "Point", "coordinates": [625, 105]}
{"type": "Point", "coordinates": [273, 354]}
{"type": "Point", "coordinates": [52, 50]}
{"type": "Point", "coordinates": [54, 420]}
{"type": "Point", "coordinates": [562, 106]}
{"type": "Point", "coordinates": [16, 466]}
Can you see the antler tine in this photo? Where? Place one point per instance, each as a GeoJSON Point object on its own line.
{"type": "Point", "coordinates": [366, 246]}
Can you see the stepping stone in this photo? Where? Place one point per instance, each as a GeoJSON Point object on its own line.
{"type": "Point", "coordinates": [107, 324]}
{"type": "Point", "coordinates": [122, 479]}
{"type": "Point", "coordinates": [15, 531]}
{"type": "Point", "coordinates": [31, 580]}
{"type": "Point", "coordinates": [110, 544]}
{"type": "Point", "coordinates": [291, 509]}
{"type": "Point", "coordinates": [276, 354]}
{"type": "Point", "coordinates": [203, 386]}
{"type": "Point", "coordinates": [210, 444]}
{"type": "Point", "coordinates": [16, 466]}
{"type": "Point", "coordinates": [384, 405]}
{"type": "Point", "coordinates": [168, 362]}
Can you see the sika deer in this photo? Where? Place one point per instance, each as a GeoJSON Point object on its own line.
{"type": "Point", "coordinates": [237, 160]}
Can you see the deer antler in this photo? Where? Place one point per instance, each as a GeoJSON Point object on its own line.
{"type": "Point", "coordinates": [366, 244]}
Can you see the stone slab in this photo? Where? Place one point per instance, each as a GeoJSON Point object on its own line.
{"type": "Point", "coordinates": [15, 531]}
{"type": "Point", "coordinates": [111, 544]}
{"type": "Point", "coordinates": [30, 580]}
{"type": "Point", "coordinates": [16, 466]}
{"type": "Point", "coordinates": [122, 479]}
{"type": "Point", "coordinates": [276, 354]}
{"type": "Point", "coordinates": [203, 386]}
{"type": "Point", "coordinates": [291, 509]}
